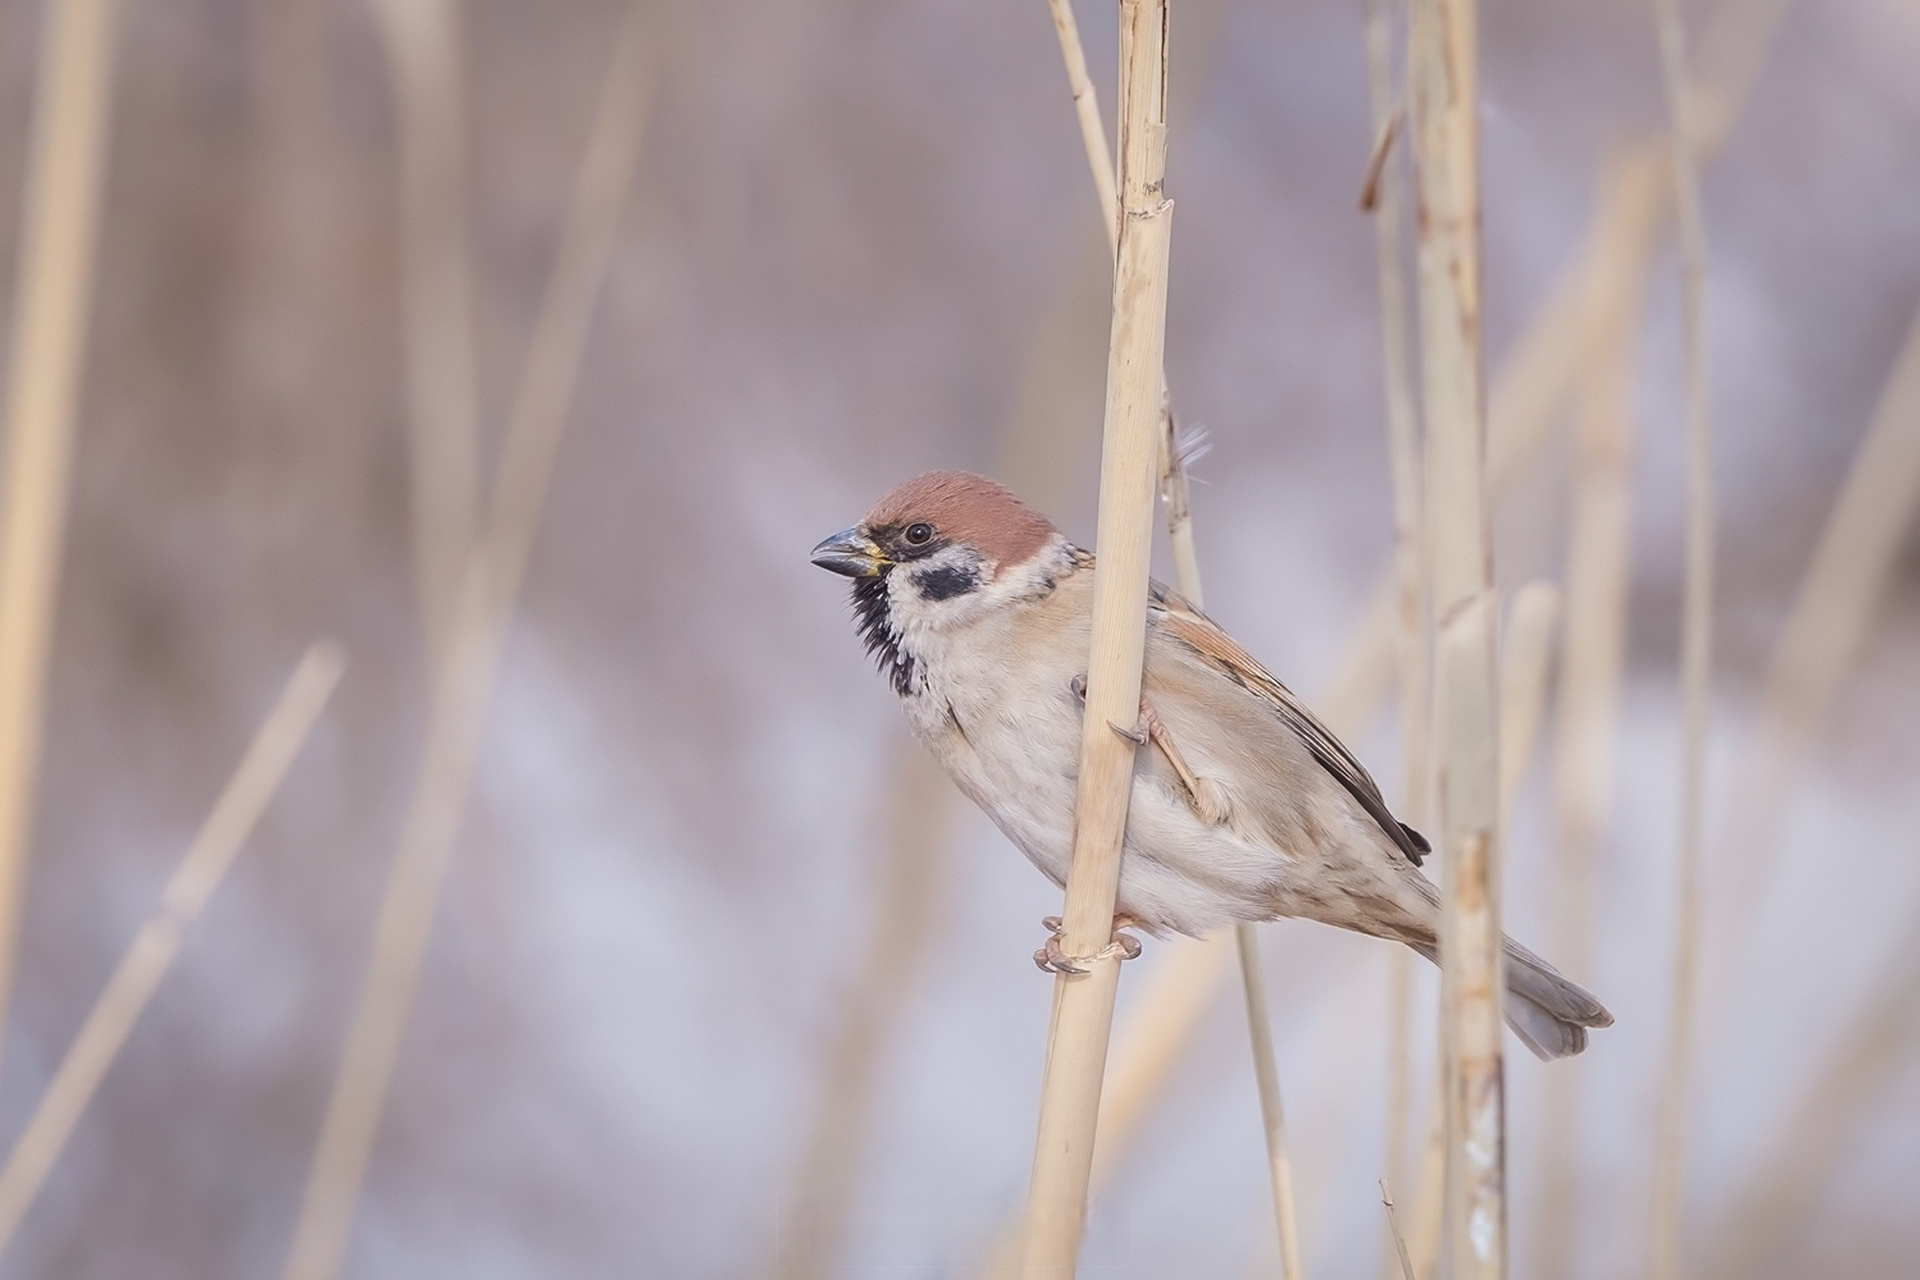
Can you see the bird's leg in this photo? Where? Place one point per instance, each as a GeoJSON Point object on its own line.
{"type": "Point", "coordinates": [1205, 796]}
{"type": "Point", "coordinates": [1053, 959]}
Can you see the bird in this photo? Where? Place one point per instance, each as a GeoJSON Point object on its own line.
{"type": "Point", "coordinates": [1244, 806]}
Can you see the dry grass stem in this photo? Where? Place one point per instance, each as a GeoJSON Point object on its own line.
{"type": "Point", "coordinates": [1083, 1003]}
{"type": "Point", "coordinates": [1266, 1071]}
{"type": "Point", "coordinates": [1173, 997]}
{"type": "Point", "coordinates": [1403, 451]}
{"type": "Point", "coordinates": [66, 164]}
{"type": "Point", "coordinates": [904, 919]}
{"type": "Point", "coordinates": [1086, 108]}
{"type": "Point", "coordinates": [1399, 1241]}
{"type": "Point", "coordinates": [157, 944]}
{"type": "Point", "coordinates": [423, 46]}
{"type": "Point", "coordinates": [1272, 1116]}
{"type": "Point", "coordinates": [1696, 643]}
{"type": "Point", "coordinates": [1442, 53]}
{"type": "Point", "coordinates": [1529, 646]}
{"type": "Point", "coordinates": [464, 681]}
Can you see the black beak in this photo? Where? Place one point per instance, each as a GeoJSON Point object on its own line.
{"type": "Point", "coordinates": [852, 553]}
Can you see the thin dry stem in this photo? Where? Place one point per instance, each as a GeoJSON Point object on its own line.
{"type": "Point", "coordinates": [464, 682]}
{"type": "Point", "coordinates": [1272, 1116]}
{"type": "Point", "coordinates": [1696, 643]}
{"type": "Point", "coordinates": [1086, 108]}
{"type": "Point", "coordinates": [1083, 1003]}
{"type": "Point", "coordinates": [1406, 1271]}
{"type": "Point", "coordinates": [65, 167]}
{"type": "Point", "coordinates": [1266, 1072]}
{"type": "Point", "coordinates": [1403, 449]}
{"type": "Point", "coordinates": [1442, 54]}
{"type": "Point", "coordinates": [423, 46]}
{"type": "Point", "coordinates": [155, 947]}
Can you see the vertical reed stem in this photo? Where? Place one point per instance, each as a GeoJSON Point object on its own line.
{"type": "Point", "coordinates": [1403, 450]}
{"type": "Point", "coordinates": [1442, 57]}
{"type": "Point", "coordinates": [423, 45]}
{"type": "Point", "coordinates": [1086, 108]}
{"type": "Point", "coordinates": [1083, 1004]}
{"type": "Point", "coordinates": [1696, 643]}
{"type": "Point", "coordinates": [65, 171]}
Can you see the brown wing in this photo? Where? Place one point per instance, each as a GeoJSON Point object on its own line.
{"type": "Point", "coordinates": [1181, 621]}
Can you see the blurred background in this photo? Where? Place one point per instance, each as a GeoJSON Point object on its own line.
{"type": "Point", "coordinates": [701, 877]}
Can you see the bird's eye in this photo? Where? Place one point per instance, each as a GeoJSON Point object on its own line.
{"type": "Point", "coordinates": [919, 535]}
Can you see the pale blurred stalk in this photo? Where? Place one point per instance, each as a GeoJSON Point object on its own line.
{"type": "Point", "coordinates": [66, 165]}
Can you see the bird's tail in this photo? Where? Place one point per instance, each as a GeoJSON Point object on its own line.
{"type": "Point", "coordinates": [1549, 1014]}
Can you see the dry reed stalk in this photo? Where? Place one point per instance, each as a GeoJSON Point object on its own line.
{"type": "Point", "coordinates": [1858, 549]}
{"type": "Point", "coordinates": [1442, 54]}
{"type": "Point", "coordinates": [155, 947]}
{"type": "Point", "coordinates": [1405, 1268]}
{"type": "Point", "coordinates": [1086, 108]}
{"type": "Point", "coordinates": [1588, 700]}
{"type": "Point", "coordinates": [464, 681]}
{"type": "Point", "coordinates": [1266, 1071]}
{"type": "Point", "coordinates": [1696, 643]}
{"type": "Point", "coordinates": [66, 163]}
{"type": "Point", "coordinates": [1083, 1003]}
{"type": "Point", "coordinates": [1529, 645]}
{"type": "Point", "coordinates": [423, 45]}
{"type": "Point", "coordinates": [1867, 1059]}
{"type": "Point", "coordinates": [813, 1240]}
{"type": "Point", "coordinates": [1403, 449]}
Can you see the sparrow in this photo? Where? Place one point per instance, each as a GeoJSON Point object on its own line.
{"type": "Point", "coordinates": [1244, 807]}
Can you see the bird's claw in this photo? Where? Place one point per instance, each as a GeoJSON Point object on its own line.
{"type": "Point", "coordinates": [1052, 958]}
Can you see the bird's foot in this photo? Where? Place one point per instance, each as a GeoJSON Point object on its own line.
{"type": "Point", "coordinates": [1053, 958]}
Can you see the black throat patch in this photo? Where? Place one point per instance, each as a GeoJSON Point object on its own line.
{"type": "Point", "coordinates": [946, 582]}
{"type": "Point", "coordinates": [873, 617]}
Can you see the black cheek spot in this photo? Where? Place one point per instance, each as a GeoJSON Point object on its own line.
{"type": "Point", "coordinates": [945, 583]}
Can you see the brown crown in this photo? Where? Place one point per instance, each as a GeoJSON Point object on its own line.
{"type": "Point", "coordinates": [963, 507]}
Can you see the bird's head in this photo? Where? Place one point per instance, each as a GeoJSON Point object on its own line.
{"type": "Point", "coordinates": [937, 550]}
